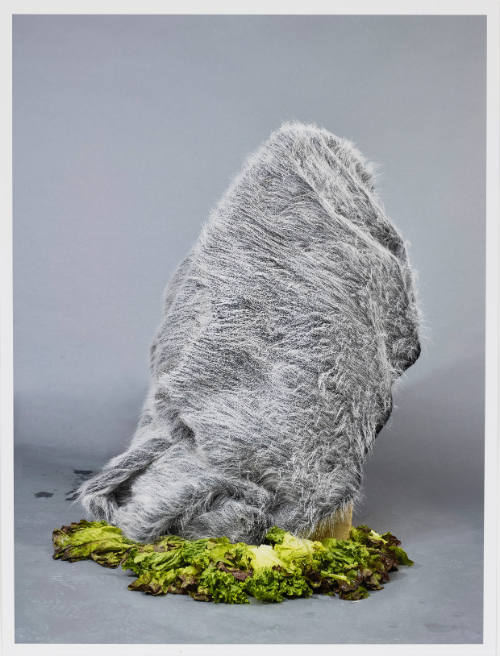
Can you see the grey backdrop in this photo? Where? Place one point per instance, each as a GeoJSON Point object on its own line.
{"type": "Point", "coordinates": [126, 132]}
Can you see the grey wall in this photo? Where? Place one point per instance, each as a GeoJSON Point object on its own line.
{"type": "Point", "coordinates": [128, 129]}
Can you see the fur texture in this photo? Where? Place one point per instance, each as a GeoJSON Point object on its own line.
{"type": "Point", "coordinates": [283, 332]}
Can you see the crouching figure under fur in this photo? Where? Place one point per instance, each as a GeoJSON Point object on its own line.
{"type": "Point", "coordinates": [283, 332]}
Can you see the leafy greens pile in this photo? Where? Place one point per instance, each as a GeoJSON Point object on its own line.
{"type": "Point", "coordinates": [215, 569]}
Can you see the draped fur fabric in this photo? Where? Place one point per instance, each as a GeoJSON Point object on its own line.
{"type": "Point", "coordinates": [283, 332]}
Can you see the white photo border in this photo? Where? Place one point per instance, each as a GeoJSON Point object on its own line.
{"type": "Point", "coordinates": [490, 9]}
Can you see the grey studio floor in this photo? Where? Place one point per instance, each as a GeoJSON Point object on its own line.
{"type": "Point", "coordinates": [438, 600]}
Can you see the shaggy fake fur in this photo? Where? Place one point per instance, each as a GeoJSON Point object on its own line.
{"type": "Point", "coordinates": [283, 332]}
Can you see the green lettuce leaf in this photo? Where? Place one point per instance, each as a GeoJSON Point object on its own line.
{"type": "Point", "coordinates": [98, 541]}
{"type": "Point", "coordinates": [218, 570]}
{"type": "Point", "coordinates": [220, 586]}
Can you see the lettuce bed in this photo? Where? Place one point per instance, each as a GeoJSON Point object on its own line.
{"type": "Point", "coordinates": [215, 569]}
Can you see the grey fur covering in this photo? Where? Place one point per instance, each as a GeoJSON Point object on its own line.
{"type": "Point", "coordinates": [283, 332]}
